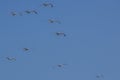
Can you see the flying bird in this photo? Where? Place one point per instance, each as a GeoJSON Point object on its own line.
{"type": "Point", "coordinates": [11, 59]}
{"type": "Point", "coordinates": [25, 49]}
{"type": "Point", "coordinates": [13, 13]}
{"type": "Point", "coordinates": [45, 4]}
{"type": "Point", "coordinates": [48, 5]}
{"type": "Point", "coordinates": [28, 11]}
{"type": "Point", "coordinates": [60, 34]}
{"type": "Point", "coordinates": [100, 76]}
{"type": "Point", "coordinates": [61, 65]}
{"type": "Point", "coordinates": [53, 21]}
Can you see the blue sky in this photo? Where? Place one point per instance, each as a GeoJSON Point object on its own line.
{"type": "Point", "coordinates": [90, 48]}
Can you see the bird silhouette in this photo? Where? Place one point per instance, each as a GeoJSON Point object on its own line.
{"type": "Point", "coordinates": [28, 11]}
{"type": "Point", "coordinates": [53, 21]}
{"type": "Point", "coordinates": [60, 33]}
{"type": "Point", "coordinates": [13, 13]}
{"type": "Point", "coordinates": [100, 76]}
{"type": "Point", "coordinates": [48, 5]}
{"type": "Point", "coordinates": [25, 49]}
{"type": "Point", "coordinates": [11, 58]}
{"type": "Point", "coordinates": [61, 65]}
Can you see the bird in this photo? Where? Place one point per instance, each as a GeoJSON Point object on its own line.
{"type": "Point", "coordinates": [28, 11]}
{"type": "Point", "coordinates": [48, 5]}
{"type": "Point", "coordinates": [25, 49]}
{"type": "Point", "coordinates": [97, 76]}
{"type": "Point", "coordinates": [60, 33]}
{"type": "Point", "coordinates": [45, 4]}
{"type": "Point", "coordinates": [100, 76]}
{"type": "Point", "coordinates": [61, 65]}
{"type": "Point", "coordinates": [53, 21]}
{"type": "Point", "coordinates": [11, 59]}
{"type": "Point", "coordinates": [13, 13]}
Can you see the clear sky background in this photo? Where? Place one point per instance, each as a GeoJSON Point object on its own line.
{"type": "Point", "coordinates": [91, 47]}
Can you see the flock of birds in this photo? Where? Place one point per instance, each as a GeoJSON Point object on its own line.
{"type": "Point", "coordinates": [13, 58]}
{"type": "Point", "coordinates": [14, 13]}
{"type": "Point", "coordinates": [46, 4]}
{"type": "Point", "coordinates": [27, 49]}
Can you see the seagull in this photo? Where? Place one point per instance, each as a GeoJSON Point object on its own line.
{"type": "Point", "coordinates": [60, 33]}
